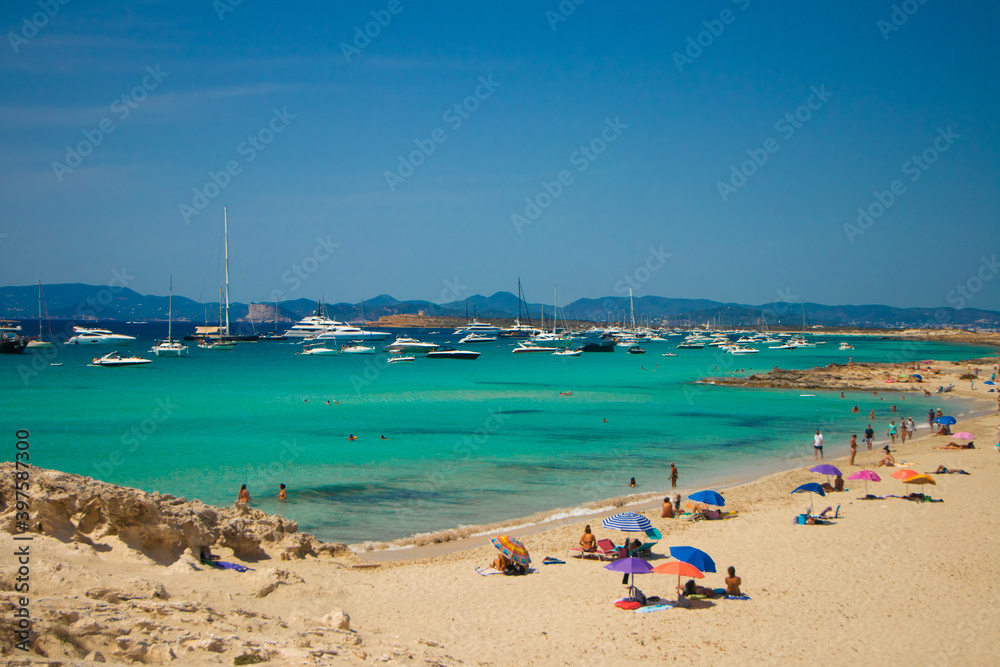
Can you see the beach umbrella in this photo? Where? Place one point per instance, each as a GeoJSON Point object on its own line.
{"type": "Point", "coordinates": [692, 556]}
{"type": "Point", "coordinates": [920, 479]}
{"type": "Point", "coordinates": [681, 569]}
{"type": "Point", "coordinates": [708, 497]}
{"type": "Point", "coordinates": [948, 420]}
{"type": "Point", "coordinates": [629, 566]}
{"type": "Point", "coordinates": [811, 487]}
{"type": "Point", "coordinates": [964, 435]}
{"type": "Point", "coordinates": [904, 473]}
{"type": "Point", "coordinates": [867, 475]}
{"type": "Point", "coordinates": [918, 376]}
{"type": "Point", "coordinates": [512, 548]}
{"type": "Point", "coordinates": [990, 382]}
{"type": "Point", "coordinates": [826, 469]}
{"type": "Point", "coordinates": [628, 522]}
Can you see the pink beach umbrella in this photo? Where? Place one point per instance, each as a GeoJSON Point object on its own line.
{"type": "Point", "coordinates": [867, 476]}
{"type": "Point", "coordinates": [964, 435]}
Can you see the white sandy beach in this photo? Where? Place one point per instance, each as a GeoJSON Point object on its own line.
{"type": "Point", "coordinates": [889, 582]}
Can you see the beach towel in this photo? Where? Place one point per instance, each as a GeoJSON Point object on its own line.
{"type": "Point", "coordinates": [737, 597]}
{"type": "Point", "coordinates": [223, 565]}
{"type": "Point", "coordinates": [486, 571]}
{"type": "Point", "coordinates": [654, 607]}
{"type": "Point", "coordinates": [548, 560]}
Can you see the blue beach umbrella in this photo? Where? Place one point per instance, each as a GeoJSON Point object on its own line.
{"type": "Point", "coordinates": [947, 419]}
{"type": "Point", "coordinates": [918, 376]}
{"type": "Point", "coordinates": [692, 556]}
{"type": "Point", "coordinates": [709, 498]}
{"type": "Point", "coordinates": [990, 382]}
{"type": "Point", "coordinates": [811, 487]}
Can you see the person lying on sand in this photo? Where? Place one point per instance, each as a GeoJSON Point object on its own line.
{"type": "Point", "coordinates": [941, 470]}
{"type": "Point", "coordinates": [953, 445]}
{"type": "Point", "coordinates": [691, 589]}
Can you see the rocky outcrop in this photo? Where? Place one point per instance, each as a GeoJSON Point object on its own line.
{"type": "Point", "coordinates": [82, 509]}
{"type": "Point", "coordinates": [833, 376]}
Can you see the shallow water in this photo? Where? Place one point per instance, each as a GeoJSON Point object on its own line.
{"type": "Point", "coordinates": [468, 442]}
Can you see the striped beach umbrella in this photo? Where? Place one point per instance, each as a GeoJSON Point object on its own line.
{"type": "Point", "coordinates": [512, 548]}
{"type": "Point", "coordinates": [629, 522]}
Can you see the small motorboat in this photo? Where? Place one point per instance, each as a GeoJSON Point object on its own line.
{"type": "Point", "coordinates": [452, 353]}
{"type": "Point", "coordinates": [478, 338]}
{"type": "Point", "coordinates": [356, 348]}
{"type": "Point", "coordinates": [668, 354]}
{"type": "Point", "coordinates": [635, 349]}
{"type": "Point", "coordinates": [396, 360]}
{"type": "Point", "coordinates": [113, 359]}
{"type": "Point", "coordinates": [317, 350]}
{"type": "Point", "coordinates": [217, 344]}
{"type": "Point", "coordinates": [845, 346]}
{"type": "Point", "coordinates": [528, 346]}
{"type": "Point", "coordinates": [567, 353]}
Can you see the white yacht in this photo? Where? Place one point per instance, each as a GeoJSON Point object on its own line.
{"type": "Point", "coordinates": [411, 345]}
{"type": "Point", "coordinates": [317, 350]}
{"type": "Point", "coordinates": [356, 348]}
{"type": "Point", "coordinates": [313, 325]}
{"type": "Point", "coordinates": [742, 349]}
{"type": "Point", "coordinates": [85, 336]}
{"type": "Point", "coordinates": [346, 332]}
{"type": "Point", "coordinates": [478, 338]}
{"type": "Point", "coordinates": [475, 326]}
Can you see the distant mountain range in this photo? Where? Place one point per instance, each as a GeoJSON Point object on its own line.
{"type": "Point", "coordinates": [75, 301]}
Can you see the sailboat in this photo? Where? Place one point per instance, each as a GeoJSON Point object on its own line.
{"type": "Point", "coordinates": [170, 347]}
{"type": "Point", "coordinates": [520, 330]}
{"type": "Point", "coordinates": [40, 342]}
{"type": "Point", "coordinates": [553, 338]}
{"type": "Point", "coordinates": [219, 342]}
{"type": "Point", "coordinates": [275, 335]}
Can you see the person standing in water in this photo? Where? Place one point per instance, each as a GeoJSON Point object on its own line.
{"type": "Point", "coordinates": [244, 496]}
{"type": "Point", "coordinates": [282, 495]}
{"type": "Point", "coordinates": [673, 476]}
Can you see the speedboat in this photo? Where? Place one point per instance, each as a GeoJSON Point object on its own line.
{"type": "Point", "coordinates": [346, 332]}
{"type": "Point", "coordinates": [403, 344]}
{"type": "Point", "coordinates": [113, 360]}
{"type": "Point", "coordinates": [742, 349]}
{"type": "Point", "coordinates": [691, 345]}
{"type": "Point", "coordinates": [209, 344]}
{"type": "Point", "coordinates": [84, 336]}
{"type": "Point", "coordinates": [396, 360]}
{"type": "Point", "coordinates": [355, 348]}
{"type": "Point", "coordinates": [567, 353]}
{"type": "Point", "coordinates": [528, 346]}
{"type": "Point", "coordinates": [478, 338]}
{"type": "Point", "coordinates": [845, 346]}
{"type": "Point", "coordinates": [452, 353]}
{"type": "Point", "coordinates": [635, 349]}
{"type": "Point", "coordinates": [317, 350]}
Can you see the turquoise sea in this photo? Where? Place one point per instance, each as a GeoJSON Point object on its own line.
{"type": "Point", "coordinates": [467, 442]}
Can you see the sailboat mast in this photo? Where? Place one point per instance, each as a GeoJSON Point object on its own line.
{"type": "Point", "coordinates": [170, 311]}
{"type": "Point", "coordinates": [631, 309]}
{"type": "Point", "coordinates": [39, 310]}
{"type": "Point", "coordinates": [225, 228]}
{"type": "Point", "coordinates": [555, 307]}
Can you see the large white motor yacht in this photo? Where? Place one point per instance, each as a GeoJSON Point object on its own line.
{"type": "Point", "coordinates": [84, 336]}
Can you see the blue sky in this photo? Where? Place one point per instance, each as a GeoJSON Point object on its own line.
{"type": "Point", "coordinates": [464, 145]}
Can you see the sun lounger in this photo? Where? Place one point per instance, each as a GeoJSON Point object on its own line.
{"type": "Point", "coordinates": [609, 551]}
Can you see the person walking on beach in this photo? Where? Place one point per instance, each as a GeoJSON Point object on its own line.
{"type": "Point", "coordinates": [818, 445]}
{"type": "Point", "coordinates": [869, 436]}
{"type": "Point", "coordinates": [892, 431]}
{"type": "Point", "coordinates": [902, 431]}
{"type": "Point", "coordinates": [930, 418]}
{"type": "Point", "coordinates": [244, 496]}
{"type": "Point", "coordinates": [911, 427]}
{"type": "Point", "coordinates": [854, 447]}
{"type": "Point", "coordinates": [673, 476]}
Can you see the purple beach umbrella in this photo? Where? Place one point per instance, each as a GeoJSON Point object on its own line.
{"type": "Point", "coordinates": [629, 566]}
{"type": "Point", "coordinates": [826, 469]}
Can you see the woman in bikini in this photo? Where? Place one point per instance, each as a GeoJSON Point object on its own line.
{"type": "Point", "coordinates": [588, 542]}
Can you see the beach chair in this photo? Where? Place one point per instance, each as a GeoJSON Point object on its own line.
{"type": "Point", "coordinates": [577, 552]}
{"type": "Point", "coordinates": [654, 536]}
{"type": "Point", "coordinates": [608, 550]}
{"type": "Point", "coordinates": [825, 514]}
